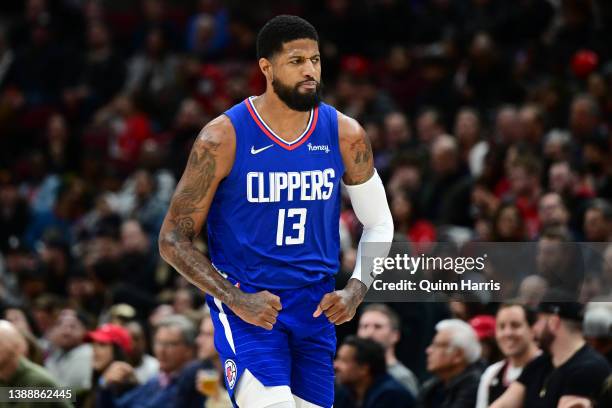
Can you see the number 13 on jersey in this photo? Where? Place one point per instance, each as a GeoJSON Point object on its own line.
{"type": "Point", "coordinates": [298, 216]}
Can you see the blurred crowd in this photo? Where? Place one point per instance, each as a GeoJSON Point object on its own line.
{"type": "Point", "coordinates": [489, 120]}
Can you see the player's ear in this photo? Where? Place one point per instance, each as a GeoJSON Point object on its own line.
{"type": "Point", "coordinates": [266, 68]}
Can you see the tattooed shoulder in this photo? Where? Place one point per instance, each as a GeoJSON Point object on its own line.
{"type": "Point", "coordinates": [212, 149]}
{"type": "Point", "coordinates": [206, 165]}
{"type": "Point", "coordinates": [356, 151]}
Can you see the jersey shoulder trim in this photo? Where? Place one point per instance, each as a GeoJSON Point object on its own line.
{"type": "Point", "coordinates": [312, 123]}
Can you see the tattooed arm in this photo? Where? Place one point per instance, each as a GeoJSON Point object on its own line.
{"type": "Point", "coordinates": [211, 160]}
{"type": "Point", "coordinates": [356, 151]}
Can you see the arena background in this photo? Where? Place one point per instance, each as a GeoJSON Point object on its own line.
{"type": "Point", "coordinates": [477, 110]}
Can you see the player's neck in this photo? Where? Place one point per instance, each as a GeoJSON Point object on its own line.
{"type": "Point", "coordinates": [276, 114]}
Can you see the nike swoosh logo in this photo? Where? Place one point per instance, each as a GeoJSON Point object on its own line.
{"type": "Point", "coordinates": [255, 151]}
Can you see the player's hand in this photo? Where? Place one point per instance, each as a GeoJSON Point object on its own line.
{"type": "Point", "coordinates": [260, 309]}
{"type": "Point", "coordinates": [340, 306]}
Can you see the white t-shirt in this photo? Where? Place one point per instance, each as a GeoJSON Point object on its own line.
{"type": "Point", "coordinates": [147, 369]}
{"type": "Point", "coordinates": [511, 374]}
{"type": "Point", "coordinates": [72, 368]}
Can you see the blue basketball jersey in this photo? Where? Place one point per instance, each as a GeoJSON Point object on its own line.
{"type": "Point", "coordinates": [273, 222]}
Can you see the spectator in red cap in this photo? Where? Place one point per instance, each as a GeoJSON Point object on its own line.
{"type": "Point", "coordinates": [109, 336]}
{"type": "Point", "coordinates": [111, 343]}
{"type": "Point", "coordinates": [484, 326]}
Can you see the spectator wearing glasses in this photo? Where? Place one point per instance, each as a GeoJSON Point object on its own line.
{"type": "Point", "coordinates": [452, 358]}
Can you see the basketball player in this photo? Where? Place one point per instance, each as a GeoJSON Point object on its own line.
{"type": "Point", "coordinates": [266, 176]}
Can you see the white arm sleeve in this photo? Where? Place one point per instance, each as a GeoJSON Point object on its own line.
{"type": "Point", "coordinates": [371, 208]}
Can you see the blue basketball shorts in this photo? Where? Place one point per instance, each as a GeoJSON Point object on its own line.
{"type": "Point", "coordinates": [297, 352]}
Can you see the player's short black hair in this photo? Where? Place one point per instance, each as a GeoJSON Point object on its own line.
{"type": "Point", "coordinates": [282, 29]}
{"type": "Point", "coordinates": [368, 352]}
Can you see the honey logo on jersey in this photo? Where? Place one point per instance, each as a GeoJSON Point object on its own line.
{"type": "Point", "coordinates": [318, 148]}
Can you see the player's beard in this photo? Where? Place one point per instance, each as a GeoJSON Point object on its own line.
{"type": "Point", "coordinates": [295, 99]}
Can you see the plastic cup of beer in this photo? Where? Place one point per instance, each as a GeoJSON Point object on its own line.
{"type": "Point", "coordinates": [207, 382]}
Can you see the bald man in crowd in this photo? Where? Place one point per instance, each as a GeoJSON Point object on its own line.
{"type": "Point", "coordinates": [16, 371]}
